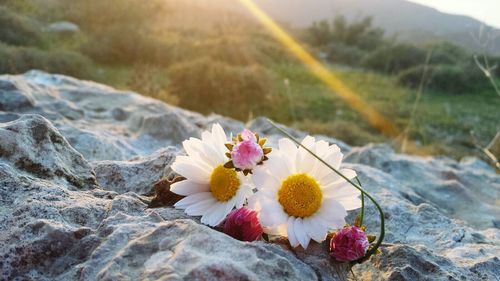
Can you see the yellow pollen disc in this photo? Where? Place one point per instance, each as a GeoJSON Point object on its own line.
{"type": "Point", "coordinates": [300, 195]}
{"type": "Point", "coordinates": [224, 183]}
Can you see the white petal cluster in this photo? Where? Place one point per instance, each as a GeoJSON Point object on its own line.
{"type": "Point", "coordinates": [206, 155]}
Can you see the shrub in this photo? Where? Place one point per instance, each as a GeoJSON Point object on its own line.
{"type": "Point", "coordinates": [120, 31]}
{"type": "Point", "coordinates": [95, 15]}
{"type": "Point", "coordinates": [208, 86]}
{"type": "Point", "coordinates": [320, 33]}
{"type": "Point", "coordinates": [341, 53]}
{"type": "Point", "coordinates": [234, 51]}
{"type": "Point", "coordinates": [21, 59]}
{"type": "Point", "coordinates": [20, 6]}
{"type": "Point", "coordinates": [126, 45]}
{"type": "Point", "coordinates": [412, 77]}
{"type": "Point", "coordinates": [360, 33]}
{"type": "Point", "coordinates": [68, 63]}
{"type": "Point", "coordinates": [230, 49]}
{"type": "Point", "coordinates": [274, 51]}
{"type": "Point", "coordinates": [17, 30]}
{"type": "Point", "coordinates": [395, 58]}
{"type": "Point", "coordinates": [441, 78]}
{"type": "Point", "coordinates": [447, 53]}
{"type": "Point", "coordinates": [150, 81]}
{"type": "Point", "coordinates": [449, 79]}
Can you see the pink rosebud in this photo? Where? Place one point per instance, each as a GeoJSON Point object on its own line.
{"type": "Point", "coordinates": [349, 244]}
{"type": "Point", "coordinates": [243, 224]}
{"type": "Point", "coordinates": [248, 135]}
{"type": "Point", "coordinates": [246, 155]}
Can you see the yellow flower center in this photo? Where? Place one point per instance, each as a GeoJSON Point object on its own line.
{"type": "Point", "coordinates": [224, 183]}
{"type": "Point", "coordinates": [300, 195]}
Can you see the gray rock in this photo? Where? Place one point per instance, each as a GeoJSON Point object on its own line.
{"type": "Point", "coordinates": [51, 230]}
{"type": "Point", "coordinates": [13, 97]}
{"type": "Point", "coordinates": [78, 160]}
{"type": "Point", "coordinates": [98, 121]}
{"type": "Point", "coordinates": [136, 175]}
{"type": "Point", "coordinates": [467, 190]}
{"type": "Point", "coordinates": [185, 250]}
{"type": "Point", "coordinates": [35, 148]}
{"type": "Point", "coordinates": [421, 231]}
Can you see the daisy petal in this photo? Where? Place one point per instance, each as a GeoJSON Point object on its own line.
{"type": "Point", "coordinates": [199, 208]}
{"type": "Point", "coordinates": [272, 214]}
{"type": "Point", "coordinates": [188, 187]}
{"type": "Point", "coordinates": [333, 212]}
{"type": "Point", "coordinates": [243, 193]}
{"type": "Point", "coordinates": [300, 233]}
{"type": "Point", "coordinates": [220, 213]}
{"type": "Point", "coordinates": [219, 134]}
{"type": "Point", "coordinates": [206, 218]}
{"type": "Point", "coordinates": [322, 148]}
{"type": "Point", "coordinates": [189, 200]}
{"type": "Point", "coordinates": [348, 173]}
{"type": "Point", "coordinates": [305, 160]}
{"type": "Point", "coordinates": [343, 190]}
{"type": "Point", "coordinates": [350, 203]}
{"type": "Point", "coordinates": [332, 178]}
{"type": "Point", "coordinates": [263, 180]}
{"type": "Point", "coordinates": [290, 232]}
{"type": "Point", "coordinates": [191, 171]}
{"type": "Point", "coordinates": [287, 146]}
{"type": "Point", "coordinates": [288, 150]}
{"type": "Point", "coordinates": [196, 148]}
{"type": "Point", "coordinates": [315, 228]}
{"type": "Point", "coordinates": [279, 167]}
{"type": "Point", "coordinates": [335, 158]}
{"type": "Point", "coordinates": [255, 201]}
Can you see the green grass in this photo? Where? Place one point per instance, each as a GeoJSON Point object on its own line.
{"type": "Point", "coordinates": [116, 76]}
{"type": "Point", "coordinates": [441, 125]}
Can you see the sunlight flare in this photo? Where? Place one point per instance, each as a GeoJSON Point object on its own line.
{"type": "Point", "coordinates": [337, 86]}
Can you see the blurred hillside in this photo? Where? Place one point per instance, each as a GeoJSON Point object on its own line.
{"type": "Point", "coordinates": [214, 57]}
{"type": "Point", "coordinates": [409, 22]}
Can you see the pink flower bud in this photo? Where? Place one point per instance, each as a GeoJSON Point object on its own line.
{"type": "Point", "coordinates": [243, 224]}
{"type": "Point", "coordinates": [349, 244]}
{"type": "Point", "coordinates": [248, 135]}
{"type": "Point", "coordinates": [246, 155]}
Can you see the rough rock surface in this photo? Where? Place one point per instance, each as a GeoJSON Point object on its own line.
{"type": "Point", "coordinates": [78, 161]}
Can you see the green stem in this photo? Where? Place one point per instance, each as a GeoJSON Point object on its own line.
{"type": "Point", "coordinates": [382, 220]}
{"type": "Point", "coordinates": [362, 212]}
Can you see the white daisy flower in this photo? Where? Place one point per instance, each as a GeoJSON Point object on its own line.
{"type": "Point", "coordinates": [211, 190]}
{"type": "Point", "coordinates": [298, 196]}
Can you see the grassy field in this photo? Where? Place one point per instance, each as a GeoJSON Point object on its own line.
{"type": "Point", "coordinates": [442, 123]}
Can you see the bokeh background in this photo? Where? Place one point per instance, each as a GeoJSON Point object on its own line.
{"type": "Point", "coordinates": [432, 74]}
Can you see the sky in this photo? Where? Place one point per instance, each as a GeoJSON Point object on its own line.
{"type": "Point", "coordinates": [487, 11]}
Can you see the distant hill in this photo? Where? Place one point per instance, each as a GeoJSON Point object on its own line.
{"type": "Point", "coordinates": [409, 21]}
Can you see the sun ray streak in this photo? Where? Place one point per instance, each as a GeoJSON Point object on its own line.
{"type": "Point", "coordinates": [376, 119]}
